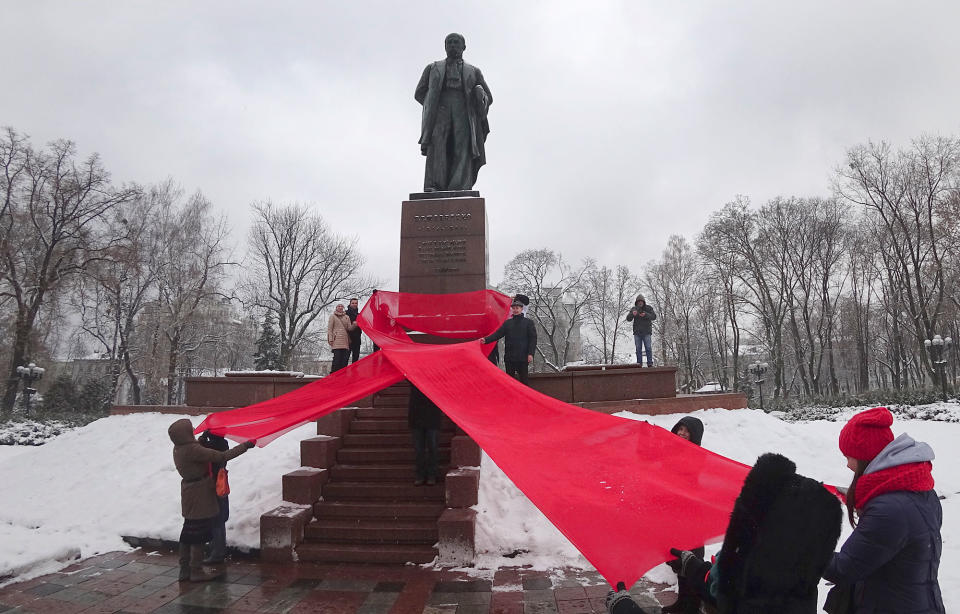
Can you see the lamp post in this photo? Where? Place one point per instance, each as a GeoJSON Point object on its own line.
{"type": "Point", "coordinates": [938, 348]}
{"type": "Point", "coordinates": [758, 369]}
{"type": "Point", "coordinates": [29, 374]}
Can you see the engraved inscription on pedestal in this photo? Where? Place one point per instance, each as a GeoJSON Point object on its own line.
{"type": "Point", "coordinates": [443, 246]}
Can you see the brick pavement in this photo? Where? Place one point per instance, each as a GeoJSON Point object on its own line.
{"type": "Point", "coordinates": [142, 582]}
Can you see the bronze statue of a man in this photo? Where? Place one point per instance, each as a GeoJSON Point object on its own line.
{"type": "Point", "coordinates": [454, 127]}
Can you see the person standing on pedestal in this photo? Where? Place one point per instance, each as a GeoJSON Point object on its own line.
{"type": "Point", "coordinates": [642, 316]}
{"type": "Point", "coordinates": [338, 336]}
{"type": "Point", "coordinates": [519, 344]}
{"type": "Point", "coordinates": [353, 310]}
{"type": "Point", "coordinates": [454, 126]}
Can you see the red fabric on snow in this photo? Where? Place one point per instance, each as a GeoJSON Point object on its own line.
{"type": "Point", "coordinates": [622, 491]}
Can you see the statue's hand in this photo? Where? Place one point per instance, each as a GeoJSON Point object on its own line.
{"type": "Point", "coordinates": [480, 95]}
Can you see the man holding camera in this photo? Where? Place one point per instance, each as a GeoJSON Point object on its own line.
{"type": "Point", "coordinates": [642, 316]}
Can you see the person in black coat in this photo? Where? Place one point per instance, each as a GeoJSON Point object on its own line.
{"type": "Point", "coordinates": [891, 561]}
{"type": "Point", "coordinates": [356, 335]}
{"type": "Point", "coordinates": [642, 316]}
{"type": "Point", "coordinates": [424, 419]}
{"type": "Point", "coordinates": [688, 600]}
{"type": "Point", "coordinates": [519, 342]}
{"type": "Point", "coordinates": [218, 544]}
{"type": "Point", "coordinates": [781, 536]}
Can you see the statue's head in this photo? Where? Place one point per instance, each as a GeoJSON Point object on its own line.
{"type": "Point", "coordinates": [454, 44]}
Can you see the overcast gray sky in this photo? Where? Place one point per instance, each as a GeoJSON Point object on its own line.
{"type": "Point", "coordinates": [614, 124]}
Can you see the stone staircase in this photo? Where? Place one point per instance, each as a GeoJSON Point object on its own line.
{"type": "Point", "coordinates": [354, 500]}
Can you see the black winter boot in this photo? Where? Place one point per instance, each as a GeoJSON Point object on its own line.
{"type": "Point", "coordinates": [197, 572]}
{"type": "Point", "coordinates": [184, 562]}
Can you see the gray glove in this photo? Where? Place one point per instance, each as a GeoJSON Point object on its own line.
{"type": "Point", "coordinates": [684, 562]}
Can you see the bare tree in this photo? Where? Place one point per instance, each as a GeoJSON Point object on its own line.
{"type": "Point", "coordinates": [909, 192]}
{"type": "Point", "coordinates": [559, 296]}
{"type": "Point", "coordinates": [676, 280]}
{"type": "Point", "coordinates": [611, 292]}
{"type": "Point", "coordinates": [53, 209]}
{"type": "Point", "coordinates": [298, 268]}
{"type": "Point", "coordinates": [111, 293]}
{"type": "Point", "coordinates": [190, 264]}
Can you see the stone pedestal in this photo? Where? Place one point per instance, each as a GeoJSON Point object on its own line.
{"type": "Point", "coordinates": [443, 243]}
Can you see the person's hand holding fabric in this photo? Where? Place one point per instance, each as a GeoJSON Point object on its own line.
{"type": "Point", "coordinates": [621, 602]}
{"type": "Point", "coordinates": [685, 562]}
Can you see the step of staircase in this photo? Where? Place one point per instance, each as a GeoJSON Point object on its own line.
{"type": "Point", "coordinates": [364, 426]}
{"type": "Point", "coordinates": [382, 413]}
{"type": "Point", "coordinates": [396, 454]}
{"type": "Point", "coordinates": [363, 509]}
{"type": "Point", "coordinates": [384, 554]}
{"type": "Point", "coordinates": [382, 491]}
{"type": "Point", "coordinates": [373, 531]}
{"type": "Point", "coordinates": [396, 402]}
{"type": "Point", "coordinates": [393, 472]}
{"type": "Point", "coordinates": [379, 425]}
{"type": "Point", "coordinates": [388, 440]}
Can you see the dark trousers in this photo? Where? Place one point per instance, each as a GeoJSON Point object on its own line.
{"type": "Point", "coordinates": [218, 545]}
{"type": "Point", "coordinates": [354, 352]}
{"type": "Point", "coordinates": [425, 446]}
{"type": "Point", "coordinates": [448, 158]}
{"type": "Point", "coordinates": [517, 369]}
{"type": "Point", "coordinates": [340, 359]}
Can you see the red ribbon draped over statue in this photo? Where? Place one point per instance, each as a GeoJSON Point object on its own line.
{"type": "Point", "coordinates": [622, 491]}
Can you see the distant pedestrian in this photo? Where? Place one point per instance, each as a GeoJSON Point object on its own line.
{"type": "Point", "coordinates": [424, 417]}
{"type": "Point", "coordinates": [198, 496]}
{"type": "Point", "coordinates": [338, 336]}
{"type": "Point", "coordinates": [356, 335]}
{"type": "Point", "coordinates": [519, 342]}
{"type": "Point", "coordinates": [642, 316]}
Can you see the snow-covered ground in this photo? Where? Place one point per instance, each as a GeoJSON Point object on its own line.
{"type": "Point", "coordinates": [80, 492]}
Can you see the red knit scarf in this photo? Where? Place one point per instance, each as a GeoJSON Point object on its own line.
{"type": "Point", "coordinates": [914, 477]}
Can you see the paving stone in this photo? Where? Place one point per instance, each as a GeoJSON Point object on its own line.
{"type": "Point", "coordinates": [77, 595]}
{"type": "Point", "coordinates": [45, 589]}
{"type": "Point", "coordinates": [542, 595]}
{"type": "Point", "coordinates": [532, 584]}
{"type": "Point", "coordinates": [574, 606]}
{"type": "Point", "coordinates": [473, 608]}
{"type": "Point", "coordinates": [337, 584]}
{"type": "Point", "coordinates": [463, 586]}
{"type": "Point", "coordinates": [444, 598]}
{"type": "Point", "coordinates": [541, 607]}
{"type": "Point", "coordinates": [389, 587]}
{"type": "Point", "coordinates": [570, 592]}
{"type": "Point", "coordinates": [214, 595]}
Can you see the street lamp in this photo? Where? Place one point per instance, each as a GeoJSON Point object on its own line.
{"type": "Point", "coordinates": [938, 356]}
{"type": "Point", "coordinates": [29, 374]}
{"type": "Point", "coordinates": [758, 369]}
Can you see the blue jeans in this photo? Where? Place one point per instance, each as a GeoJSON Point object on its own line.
{"type": "Point", "coordinates": [425, 445]}
{"type": "Point", "coordinates": [644, 343]}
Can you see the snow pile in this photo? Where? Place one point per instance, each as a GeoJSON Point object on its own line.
{"type": "Point", "coordinates": [85, 489]}
{"type": "Point", "coordinates": [115, 477]}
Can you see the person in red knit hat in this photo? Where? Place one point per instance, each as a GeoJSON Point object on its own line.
{"type": "Point", "coordinates": [892, 559]}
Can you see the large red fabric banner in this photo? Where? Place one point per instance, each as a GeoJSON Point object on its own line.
{"type": "Point", "coordinates": [622, 491]}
